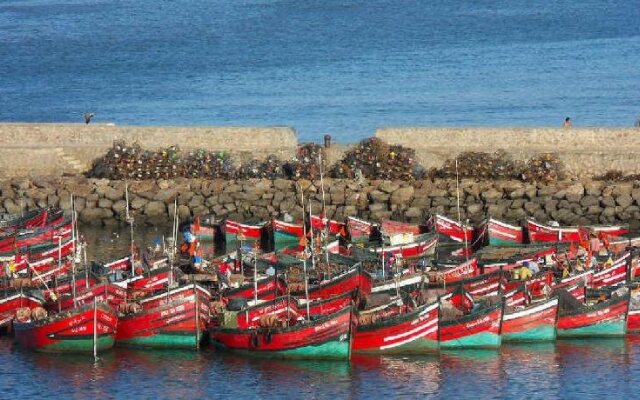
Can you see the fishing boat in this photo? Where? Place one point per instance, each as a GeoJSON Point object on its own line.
{"type": "Point", "coordinates": [614, 274]}
{"type": "Point", "coordinates": [452, 273]}
{"type": "Point", "coordinates": [546, 233]}
{"type": "Point", "coordinates": [354, 279]}
{"type": "Point", "coordinates": [264, 289]}
{"type": "Point", "coordinates": [318, 223]}
{"type": "Point", "coordinates": [420, 245]}
{"type": "Point", "coordinates": [178, 323]}
{"type": "Point", "coordinates": [465, 324]}
{"type": "Point", "coordinates": [32, 219]}
{"type": "Point", "coordinates": [454, 230]}
{"type": "Point", "coordinates": [524, 320]}
{"type": "Point", "coordinates": [106, 293]}
{"type": "Point", "coordinates": [360, 231]}
{"type": "Point", "coordinates": [603, 319]}
{"type": "Point", "coordinates": [323, 338]}
{"type": "Point", "coordinates": [498, 233]}
{"type": "Point", "coordinates": [412, 331]}
{"type": "Point", "coordinates": [284, 232]}
{"type": "Point", "coordinates": [390, 228]}
{"type": "Point", "coordinates": [12, 300]}
{"type": "Point", "coordinates": [31, 237]}
{"type": "Point", "coordinates": [235, 231]}
{"type": "Point", "coordinates": [633, 319]}
{"type": "Point", "coordinates": [75, 331]}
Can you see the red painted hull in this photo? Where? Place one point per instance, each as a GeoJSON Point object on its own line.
{"type": "Point", "coordinates": [175, 294]}
{"type": "Point", "coordinates": [106, 293]}
{"type": "Point", "coordinates": [319, 224]}
{"type": "Point", "coordinates": [613, 275]}
{"type": "Point", "coordinates": [633, 321]}
{"type": "Point", "coordinates": [452, 229]}
{"type": "Point", "coordinates": [543, 233]}
{"type": "Point", "coordinates": [532, 317]}
{"type": "Point", "coordinates": [467, 269]}
{"type": "Point", "coordinates": [176, 319]}
{"type": "Point", "coordinates": [12, 301]}
{"type": "Point", "coordinates": [48, 234]}
{"type": "Point", "coordinates": [62, 333]}
{"type": "Point", "coordinates": [154, 280]}
{"type": "Point", "coordinates": [296, 230]}
{"type": "Point", "coordinates": [611, 311]}
{"type": "Point", "coordinates": [411, 250]}
{"type": "Point", "coordinates": [268, 289]}
{"type": "Point", "coordinates": [359, 229]}
{"type": "Point", "coordinates": [393, 227]}
{"type": "Point", "coordinates": [501, 232]}
{"type": "Point", "coordinates": [338, 285]}
{"type": "Point", "coordinates": [249, 232]}
{"type": "Point", "coordinates": [416, 331]}
{"type": "Point", "coordinates": [65, 287]}
{"type": "Point", "coordinates": [123, 264]}
{"type": "Point", "coordinates": [486, 321]}
{"type": "Point", "coordinates": [299, 341]}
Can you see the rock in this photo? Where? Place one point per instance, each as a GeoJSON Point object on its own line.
{"type": "Point", "coordinates": [496, 210]}
{"type": "Point", "coordinates": [574, 198]}
{"type": "Point", "coordinates": [547, 190]}
{"type": "Point", "coordinates": [402, 196]}
{"type": "Point", "coordinates": [378, 196]}
{"type": "Point", "coordinates": [589, 200]}
{"type": "Point", "coordinates": [624, 200]}
{"type": "Point", "coordinates": [474, 209]}
{"type": "Point", "coordinates": [491, 195]}
{"type": "Point", "coordinates": [517, 194]}
{"type": "Point", "coordinates": [389, 186]}
{"type": "Point", "coordinates": [413, 212]}
{"type": "Point", "coordinates": [12, 207]}
{"type": "Point", "coordinates": [105, 203]}
{"type": "Point", "coordinates": [166, 195]}
{"type": "Point", "coordinates": [138, 203]}
{"type": "Point", "coordinates": [576, 189]}
{"type": "Point", "coordinates": [593, 188]}
{"type": "Point", "coordinates": [155, 209]}
{"type": "Point", "coordinates": [119, 207]}
{"type": "Point", "coordinates": [92, 216]}
{"type": "Point", "coordinates": [622, 188]}
{"type": "Point", "coordinates": [437, 193]}
{"type": "Point", "coordinates": [608, 201]}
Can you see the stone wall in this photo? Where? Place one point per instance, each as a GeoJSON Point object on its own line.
{"type": "Point", "coordinates": [102, 202]}
{"type": "Point", "coordinates": [585, 151]}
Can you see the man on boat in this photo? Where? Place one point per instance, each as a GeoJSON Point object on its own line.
{"type": "Point", "coordinates": [147, 258]}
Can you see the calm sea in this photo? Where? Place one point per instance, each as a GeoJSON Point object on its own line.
{"type": "Point", "coordinates": [339, 67]}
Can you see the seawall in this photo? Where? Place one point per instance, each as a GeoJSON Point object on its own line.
{"type": "Point", "coordinates": [102, 202]}
{"type": "Point", "coordinates": [57, 149]}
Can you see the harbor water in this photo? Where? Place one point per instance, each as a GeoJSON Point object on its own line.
{"type": "Point", "coordinates": [334, 66]}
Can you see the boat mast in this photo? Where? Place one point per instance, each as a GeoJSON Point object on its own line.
{"type": "Point", "coordinates": [73, 258]}
{"type": "Point", "coordinates": [255, 274]}
{"type": "Point", "coordinates": [324, 215]}
{"type": "Point", "coordinates": [129, 219]}
{"type": "Point", "coordinates": [304, 253]}
{"type": "Point", "coordinates": [464, 230]}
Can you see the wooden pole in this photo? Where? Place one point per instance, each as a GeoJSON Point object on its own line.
{"type": "Point", "coordinates": [95, 328]}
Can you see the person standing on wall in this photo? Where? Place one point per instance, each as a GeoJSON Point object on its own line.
{"type": "Point", "coordinates": [567, 123]}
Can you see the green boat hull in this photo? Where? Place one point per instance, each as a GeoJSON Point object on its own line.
{"type": "Point", "coordinates": [334, 350]}
{"type": "Point", "coordinates": [162, 341]}
{"type": "Point", "coordinates": [417, 346]}
{"type": "Point", "coordinates": [285, 238]}
{"type": "Point", "coordinates": [232, 239]}
{"type": "Point", "coordinates": [605, 329]}
{"type": "Point", "coordinates": [104, 342]}
{"type": "Point", "coordinates": [482, 340]}
{"type": "Point", "coordinates": [502, 242]}
{"type": "Point", "coordinates": [540, 334]}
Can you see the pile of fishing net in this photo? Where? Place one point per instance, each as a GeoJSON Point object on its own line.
{"type": "Point", "coordinates": [616, 176]}
{"type": "Point", "coordinates": [480, 165]}
{"type": "Point", "coordinates": [374, 159]}
{"type": "Point", "coordinates": [124, 161]}
{"type": "Point", "coordinates": [546, 167]}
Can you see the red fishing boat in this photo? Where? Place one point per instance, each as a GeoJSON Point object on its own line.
{"type": "Point", "coordinates": [498, 233]}
{"type": "Point", "coordinates": [604, 319]}
{"type": "Point", "coordinates": [12, 300]}
{"type": "Point", "coordinates": [318, 223]}
{"type": "Point", "coordinates": [452, 229]}
{"type": "Point", "coordinates": [340, 284]}
{"type": "Point", "coordinates": [359, 231]}
{"type": "Point", "coordinates": [525, 321]}
{"type": "Point", "coordinates": [122, 264]}
{"type": "Point", "coordinates": [612, 275]}
{"type": "Point", "coordinates": [162, 297]}
{"type": "Point", "coordinates": [62, 286]}
{"type": "Point", "coordinates": [179, 323]}
{"type": "Point", "coordinates": [545, 233]}
{"type": "Point", "coordinates": [478, 329]}
{"type": "Point", "coordinates": [633, 319]}
{"type": "Point", "coordinates": [284, 232]}
{"type": "Point", "coordinates": [267, 289]}
{"type": "Point", "coordinates": [106, 293]}
{"type": "Point", "coordinates": [48, 234]}
{"type": "Point", "coordinates": [324, 338]}
{"type": "Point", "coordinates": [423, 244]}
{"type": "Point", "coordinates": [456, 272]}
{"type": "Point", "coordinates": [237, 231]}
{"type": "Point", "coordinates": [411, 331]}
{"type": "Point", "coordinates": [284, 308]}
{"type": "Point", "coordinates": [388, 227]}
{"type": "Point", "coordinates": [152, 280]}
{"type": "Point", "coordinates": [485, 284]}
{"type": "Point", "coordinates": [73, 331]}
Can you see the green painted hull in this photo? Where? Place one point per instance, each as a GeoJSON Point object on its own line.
{"type": "Point", "coordinates": [417, 346]}
{"type": "Point", "coordinates": [231, 240]}
{"type": "Point", "coordinates": [281, 237]}
{"type": "Point", "coordinates": [606, 329]}
{"type": "Point", "coordinates": [162, 341]}
{"type": "Point", "coordinates": [493, 241]}
{"type": "Point", "coordinates": [334, 350]}
{"type": "Point", "coordinates": [479, 340]}
{"type": "Point", "coordinates": [540, 334]}
{"type": "Point", "coordinates": [79, 345]}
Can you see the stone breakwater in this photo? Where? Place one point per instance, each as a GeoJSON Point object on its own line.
{"type": "Point", "coordinates": [102, 202]}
